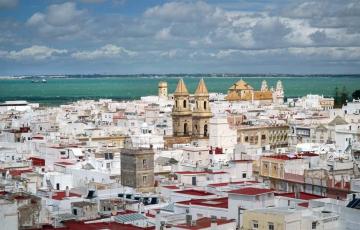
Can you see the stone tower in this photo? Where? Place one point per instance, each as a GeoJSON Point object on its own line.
{"type": "Point", "coordinates": [181, 113]}
{"type": "Point", "coordinates": [201, 113]}
{"type": "Point", "coordinates": [137, 169]}
{"type": "Point", "coordinates": [163, 90]}
{"type": "Point", "coordinates": [279, 93]}
{"type": "Point", "coordinates": [264, 86]}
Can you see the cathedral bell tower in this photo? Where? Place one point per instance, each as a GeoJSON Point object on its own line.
{"type": "Point", "coordinates": [201, 112]}
{"type": "Point", "coordinates": [181, 113]}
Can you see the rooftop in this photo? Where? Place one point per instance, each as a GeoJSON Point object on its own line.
{"type": "Point", "coordinates": [214, 203]}
{"type": "Point", "coordinates": [62, 194]}
{"type": "Point", "coordinates": [301, 196]}
{"type": "Point", "coordinates": [193, 192]}
{"type": "Point", "coordinates": [202, 223]}
{"type": "Point", "coordinates": [251, 191]}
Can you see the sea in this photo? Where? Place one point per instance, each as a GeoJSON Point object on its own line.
{"type": "Point", "coordinates": [69, 88]}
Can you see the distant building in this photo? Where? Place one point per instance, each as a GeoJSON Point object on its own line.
{"type": "Point", "coordinates": [137, 169]}
{"type": "Point", "coordinates": [187, 122]}
{"type": "Point", "coordinates": [274, 136]}
{"type": "Point", "coordinates": [242, 91]}
{"type": "Point", "coordinates": [163, 89]}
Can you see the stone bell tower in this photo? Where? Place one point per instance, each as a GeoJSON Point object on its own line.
{"type": "Point", "coordinates": [181, 113]}
{"type": "Point", "coordinates": [163, 89]}
{"type": "Point", "coordinates": [201, 112]}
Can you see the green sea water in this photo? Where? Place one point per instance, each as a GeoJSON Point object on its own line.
{"type": "Point", "coordinates": [63, 90]}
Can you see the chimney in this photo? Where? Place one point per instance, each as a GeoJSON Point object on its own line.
{"type": "Point", "coordinates": [67, 191]}
{"type": "Point", "coordinates": [213, 225]}
{"type": "Point", "coordinates": [157, 220]}
{"type": "Point", "coordinates": [162, 225]}
{"type": "Point", "coordinates": [193, 223]}
{"type": "Point", "coordinates": [188, 218]}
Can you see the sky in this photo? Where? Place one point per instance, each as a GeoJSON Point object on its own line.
{"type": "Point", "coordinates": [163, 36]}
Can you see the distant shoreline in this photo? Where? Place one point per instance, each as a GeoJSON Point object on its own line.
{"type": "Point", "coordinates": [225, 75]}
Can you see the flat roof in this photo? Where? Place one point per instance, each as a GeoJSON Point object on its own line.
{"type": "Point", "coordinates": [251, 191]}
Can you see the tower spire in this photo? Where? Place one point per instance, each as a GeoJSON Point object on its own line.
{"type": "Point", "coordinates": [181, 88]}
{"type": "Point", "coordinates": [201, 89]}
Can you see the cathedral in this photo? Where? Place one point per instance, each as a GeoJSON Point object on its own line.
{"type": "Point", "coordinates": [191, 120]}
{"type": "Point", "coordinates": [242, 91]}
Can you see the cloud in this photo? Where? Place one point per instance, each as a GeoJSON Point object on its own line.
{"type": "Point", "coordinates": [93, 1]}
{"type": "Point", "coordinates": [34, 52]}
{"type": "Point", "coordinates": [59, 20]}
{"type": "Point", "coordinates": [107, 51]}
{"type": "Point", "coordinates": [192, 34]}
{"type": "Point", "coordinates": [7, 4]}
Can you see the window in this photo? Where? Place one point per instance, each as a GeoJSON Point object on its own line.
{"type": "Point", "coordinates": [313, 225]}
{"type": "Point", "coordinates": [244, 175]}
{"type": "Point", "coordinates": [205, 105]}
{"type": "Point", "coordinates": [255, 224]}
{"type": "Point", "coordinates": [75, 212]}
{"type": "Point", "coordinates": [185, 129]}
{"type": "Point", "coordinates": [144, 179]}
{"type": "Point", "coordinates": [176, 104]}
{"type": "Point", "coordinates": [108, 165]}
{"type": "Point", "coordinates": [184, 103]}
{"type": "Point", "coordinates": [263, 137]}
{"type": "Point", "coordinates": [246, 139]}
{"type": "Point", "coordinates": [144, 163]}
{"type": "Point", "coordinates": [271, 226]}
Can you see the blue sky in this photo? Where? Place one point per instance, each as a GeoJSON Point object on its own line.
{"type": "Point", "coordinates": [162, 36]}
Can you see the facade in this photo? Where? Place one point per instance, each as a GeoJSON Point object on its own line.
{"type": "Point", "coordinates": [188, 122]}
{"type": "Point", "coordinates": [242, 91]}
{"type": "Point", "coordinates": [137, 169]}
{"type": "Point", "coordinates": [275, 136]}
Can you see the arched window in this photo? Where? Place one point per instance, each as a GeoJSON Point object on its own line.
{"type": "Point", "coordinates": [185, 129]}
{"type": "Point", "coordinates": [205, 105]}
{"type": "Point", "coordinates": [205, 130]}
{"type": "Point", "coordinates": [184, 103]}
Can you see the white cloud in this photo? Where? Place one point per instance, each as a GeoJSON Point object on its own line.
{"type": "Point", "coordinates": [6, 4]}
{"type": "Point", "coordinates": [335, 53]}
{"type": "Point", "coordinates": [34, 52]}
{"type": "Point", "coordinates": [92, 1]}
{"type": "Point", "coordinates": [107, 51]}
{"type": "Point", "coordinates": [59, 20]}
{"type": "Point", "coordinates": [164, 34]}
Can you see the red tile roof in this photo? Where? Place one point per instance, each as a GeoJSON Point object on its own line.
{"type": "Point", "coordinates": [232, 183]}
{"type": "Point", "coordinates": [251, 191]}
{"type": "Point", "coordinates": [304, 204]}
{"type": "Point", "coordinates": [191, 172]}
{"type": "Point", "coordinates": [292, 157]}
{"type": "Point", "coordinates": [80, 225]}
{"type": "Point", "coordinates": [18, 172]}
{"type": "Point", "coordinates": [302, 195]}
{"type": "Point", "coordinates": [36, 161]}
{"type": "Point", "coordinates": [61, 195]}
{"type": "Point", "coordinates": [219, 172]}
{"type": "Point", "coordinates": [203, 223]}
{"type": "Point", "coordinates": [64, 163]}
{"type": "Point", "coordinates": [214, 203]}
{"type": "Point", "coordinates": [193, 192]}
